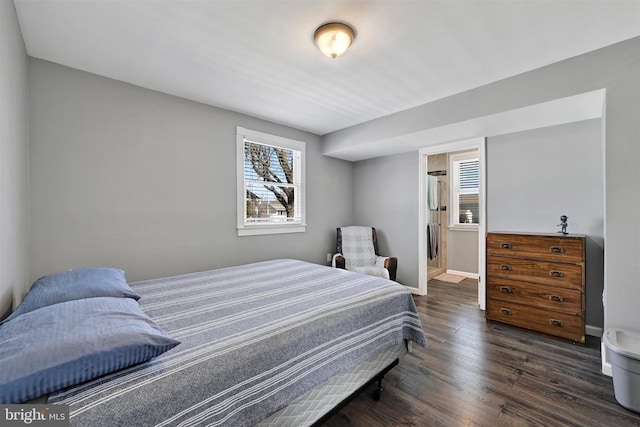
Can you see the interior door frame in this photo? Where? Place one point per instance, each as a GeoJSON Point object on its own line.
{"type": "Point", "coordinates": [468, 144]}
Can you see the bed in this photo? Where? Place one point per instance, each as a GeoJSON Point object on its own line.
{"type": "Point", "coordinates": [259, 344]}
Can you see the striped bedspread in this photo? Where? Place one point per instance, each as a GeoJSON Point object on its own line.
{"type": "Point", "coordinates": [254, 338]}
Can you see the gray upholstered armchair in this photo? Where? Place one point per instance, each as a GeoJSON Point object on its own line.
{"type": "Point", "coordinates": [357, 250]}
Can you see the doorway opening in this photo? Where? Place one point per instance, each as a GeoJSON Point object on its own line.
{"type": "Point", "coordinates": [452, 223]}
{"type": "Point", "coordinates": [436, 211]}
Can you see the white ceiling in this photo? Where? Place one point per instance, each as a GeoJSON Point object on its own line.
{"type": "Point", "coordinates": [258, 57]}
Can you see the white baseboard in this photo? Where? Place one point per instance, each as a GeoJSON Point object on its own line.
{"type": "Point", "coordinates": [606, 365]}
{"type": "Point", "coordinates": [594, 331]}
{"type": "Point", "coordinates": [415, 291]}
{"type": "Point", "coordinates": [464, 274]}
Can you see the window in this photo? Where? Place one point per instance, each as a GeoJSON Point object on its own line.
{"type": "Point", "coordinates": [465, 189]}
{"type": "Point", "coordinates": [270, 184]}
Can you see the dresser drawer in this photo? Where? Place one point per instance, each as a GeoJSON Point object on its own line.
{"type": "Point", "coordinates": [544, 272]}
{"type": "Point", "coordinates": [550, 248]}
{"type": "Point", "coordinates": [538, 319]}
{"type": "Point", "coordinates": [558, 299]}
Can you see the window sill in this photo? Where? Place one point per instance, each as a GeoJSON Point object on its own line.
{"type": "Point", "coordinates": [462, 227]}
{"type": "Point", "coordinates": [270, 229]}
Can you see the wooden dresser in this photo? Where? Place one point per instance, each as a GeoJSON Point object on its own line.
{"type": "Point", "coordinates": [536, 281]}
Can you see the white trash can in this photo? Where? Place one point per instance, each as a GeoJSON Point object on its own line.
{"type": "Point", "coordinates": [623, 347]}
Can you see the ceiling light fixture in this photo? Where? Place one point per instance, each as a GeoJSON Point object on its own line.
{"type": "Point", "coordinates": [334, 38]}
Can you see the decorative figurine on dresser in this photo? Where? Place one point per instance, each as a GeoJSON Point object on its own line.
{"type": "Point", "coordinates": [537, 281]}
{"type": "Point", "coordinates": [563, 224]}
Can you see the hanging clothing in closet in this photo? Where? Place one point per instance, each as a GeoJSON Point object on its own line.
{"type": "Point", "coordinates": [433, 231]}
{"type": "Point", "coordinates": [433, 228]}
{"type": "Point", "coordinates": [432, 192]}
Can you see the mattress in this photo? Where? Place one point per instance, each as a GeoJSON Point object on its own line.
{"type": "Point", "coordinates": [254, 339]}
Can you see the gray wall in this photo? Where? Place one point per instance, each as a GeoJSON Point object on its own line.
{"type": "Point", "coordinates": [14, 161]}
{"type": "Point", "coordinates": [385, 193]}
{"type": "Point", "coordinates": [144, 181]}
{"type": "Point", "coordinates": [536, 176]}
{"type": "Point", "coordinates": [615, 68]}
{"type": "Point", "coordinates": [462, 251]}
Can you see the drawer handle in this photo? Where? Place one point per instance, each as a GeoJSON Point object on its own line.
{"type": "Point", "coordinates": [556, 322]}
{"type": "Point", "coordinates": [505, 245]}
{"type": "Point", "coordinates": [556, 298]}
{"type": "Point", "coordinates": [506, 267]}
{"type": "Point", "coordinates": [556, 273]}
{"type": "Point", "coordinates": [505, 289]}
{"type": "Point", "coordinates": [556, 249]}
{"type": "Point", "coordinates": [505, 311]}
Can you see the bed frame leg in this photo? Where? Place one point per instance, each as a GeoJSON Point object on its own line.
{"type": "Point", "coordinates": [378, 391]}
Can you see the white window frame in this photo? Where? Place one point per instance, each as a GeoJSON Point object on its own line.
{"type": "Point", "coordinates": [454, 210]}
{"type": "Point", "coordinates": [252, 229]}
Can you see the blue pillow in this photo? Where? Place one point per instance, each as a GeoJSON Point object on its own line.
{"type": "Point", "coordinates": [65, 344]}
{"type": "Point", "coordinates": [75, 284]}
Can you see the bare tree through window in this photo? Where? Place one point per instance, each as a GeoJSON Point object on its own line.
{"type": "Point", "coordinates": [271, 165]}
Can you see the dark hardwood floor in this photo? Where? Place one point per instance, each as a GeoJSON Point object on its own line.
{"type": "Point", "coordinates": [476, 373]}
